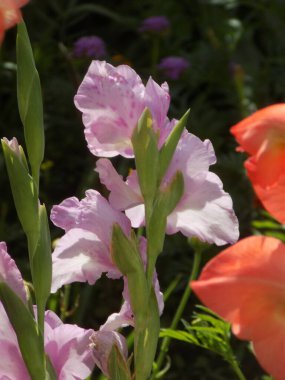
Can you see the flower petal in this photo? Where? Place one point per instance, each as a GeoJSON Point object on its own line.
{"type": "Point", "coordinates": [68, 348]}
{"type": "Point", "coordinates": [245, 285]}
{"type": "Point", "coordinates": [205, 211]}
{"type": "Point", "coordinates": [10, 274]}
{"type": "Point", "coordinates": [102, 342]}
{"type": "Point", "coordinates": [81, 256]}
{"type": "Point", "coordinates": [121, 196]}
{"type": "Point", "coordinates": [111, 100]}
{"type": "Point", "coordinates": [264, 124]}
{"type": "Point", "coordinates": [273, 198]}
{"type": "Point", "coordinates": [93, 213]}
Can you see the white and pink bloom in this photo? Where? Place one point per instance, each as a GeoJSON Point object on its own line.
{"type": "Point", "coordinates": [84, 253]}
{"type": "Point", "coordinates": [205, 209]}
{"type": "Point", "coordinates": [68, 346]}
{"type": "Point", "coordinates": [112, 100]}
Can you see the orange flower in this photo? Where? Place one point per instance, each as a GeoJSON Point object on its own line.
{"type": "Point", "coordinates": [10, 14]}
{"type": "Point", "coordinates": [262, 136]}
{"type": "Point", "coordinates": [245, 284]}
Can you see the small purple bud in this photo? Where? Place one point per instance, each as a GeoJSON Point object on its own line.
{"type": "Point", "coordinates": [89, 47]}
{"type": "Point", "coordinates": [155, 24]}
{"type": "Point", "coordinates": [173, 67]}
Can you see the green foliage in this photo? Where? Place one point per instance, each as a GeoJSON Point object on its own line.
{"type": "Point", "coordinates": [117, 365]}
{"type": "Point", "coordinates": [265, 224]}
{"type": "Point", "coordinates": [210, 332]}
{"type": "Point", "coordinates": [29, 338]}
{"type": "Point", "coordinates": [30, 101]}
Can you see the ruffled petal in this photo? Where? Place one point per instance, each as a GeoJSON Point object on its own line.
{"type": "Point", "coordinates": [81, 256]}
{"type": "Point", "coordinates": [68, 347]}
{"type": "Point", "coordinates": [206, 212]}
{"type": "Point", "coordinates": [192, 157]}
{"type": "Point", "coordinates": [93, 213]}
{"type": "Point", "coordinates": [111, 100]}
{"type": "Point", "coordinates": [157, 99]}
{"type": "Point", "coordinates": [121, 195]}
{"type": "Point", "coordinates": [10, 274]}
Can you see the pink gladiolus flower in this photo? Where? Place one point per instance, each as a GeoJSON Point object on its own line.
{"type": "Point", "coordinates": [10, 274]}
{"type": "Point", "coordinates": [83, 253]}
{"type": "Point", "coordinates": [204, 211]}
{"type": "Point", "coordinates": [66, 345]}
{"type": "Point", "coordinates": [262, 136]}
{"type": "Point", "coordinates": [10, 14]}
{"type": "Point", "coordinates": [245, 285]}
{"type": "Point", "coordinates": [112, 101]}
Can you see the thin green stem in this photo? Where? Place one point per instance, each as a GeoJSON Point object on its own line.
{"type": "Point", "coordinates": [237, 370]}
{"type": "Point", "coordinates": [150, 255]}
{"type": "Point", "coordinates": [65, 302]}
{"type": "Point", "coordinates": [185, 297]}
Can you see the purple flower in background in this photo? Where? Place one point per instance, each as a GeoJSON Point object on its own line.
{"type": "Point", "coordinates": [173, 67]}
{"type": "Point", "coordinates": [90, 47]}
{"type": "Point", "coordinates": [155, 24]}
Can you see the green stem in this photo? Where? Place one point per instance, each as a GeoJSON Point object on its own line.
{"type": "Point", "coordinates": [187, 292]}
{"type": "Point", "coordinates": [237, 370]}
{"type": "Point", "coordinates": [150, 254]}
{"type": "Point", "coordinates": [65, 302]}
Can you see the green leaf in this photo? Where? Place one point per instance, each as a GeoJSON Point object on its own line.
{"type": "Point", "coordinates": [30, 101]}
{"type": "Point", "coordinates": [164, 204]}
{"type": "Point", "coordinates": [29, 339]}
{"type": "Point", "coordinates": [126, 256]}
{"type": "Point", "coordinates": [147, 326]}
{"type": "Point", "coordinates": [117, 365]}
{"type": "Point", "coordinates": [167, 150]}
{"type": "Point", "coordinates": [145, 144]}
{"type": "Point", "coordinates": [210, 332]}
{"type": "Point", "coordinates": [42, 264]}
{"type": "Point", "coordinates": [23, 187]}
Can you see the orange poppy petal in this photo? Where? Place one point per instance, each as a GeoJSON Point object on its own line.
{"type": "Point", "coordinates": [251, 132]}
{"type": "Point", "coordinates": [266, 168]}
{"type": "Point", "coordinates": [273, 198]}
{"type": "Point", "coordinates": [2, 30]}
{"type": "Point", "coordinates": [10, 11]}
{"type": "Point", "coordinates": [21, 3]}
{"type": "Point", "coordinates": [271, 353]}
{"type": "Point", "coordinates": [245, 284]}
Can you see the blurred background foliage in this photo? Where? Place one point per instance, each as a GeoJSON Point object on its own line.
{"type": "Point", "coordinates": [236, 55]}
